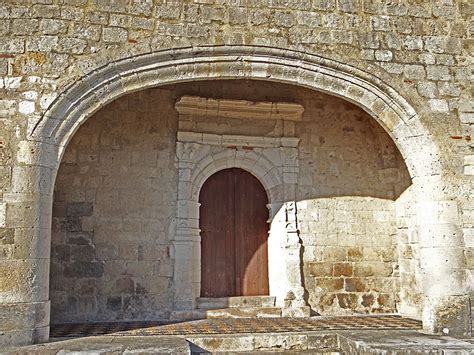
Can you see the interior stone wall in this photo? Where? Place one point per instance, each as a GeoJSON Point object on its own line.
{"type": "Point", "coordinates": [112, 216]}
{"type": "Point", "coordinates": [116, 191]}
{"type": "Point", "coordinates": [350, 175]}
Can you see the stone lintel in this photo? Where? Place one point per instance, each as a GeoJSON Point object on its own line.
{"type": "Point", "coordinates": [238, 109]}
{"type": "Point", "coordinates": [237, 140]}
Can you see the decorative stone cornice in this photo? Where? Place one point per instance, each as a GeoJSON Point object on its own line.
{"type": "Point", "coordinates": [237, 140]}
{"type": "Point", "coordinates": [240, 109]}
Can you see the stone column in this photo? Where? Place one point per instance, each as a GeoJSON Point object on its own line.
{"type": "Point", "coordinates": [443, 267]}
{"type": "Point", "coordinates": [187, 240]}
{"type": "Point", "coordinates": [187, 268]}
{"type": "Point", "coordinates": [25, 236]}
{"type": "Point", "coordinates": [294, 303]}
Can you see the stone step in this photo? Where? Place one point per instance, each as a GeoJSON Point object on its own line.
{"type": "Point", "coordinates": [238, 301]}
{"type": "Point", "coordinates": [275, 343]}
{"type": "Point", "coordinates": [245, 312]}
{"type": "Point", "coordinates": [195, 314]}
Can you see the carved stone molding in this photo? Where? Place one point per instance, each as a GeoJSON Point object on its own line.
{"type": "Point", "coordinates": [273, 160]}
{"type": "Point", "coordinates": [240, 109]}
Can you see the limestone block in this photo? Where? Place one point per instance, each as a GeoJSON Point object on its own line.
{"type": "Point", "coordinates": [52, 26]}
{"type": "Point", "coordinates": [448, 315]}
{"type": "Point", "coordinates": [440, 235]}
{"type": "Point", "coordinates": [24, 315]}
{"type": "Point", "coordinates": [377, 269]}
{"type": "Point", "coordinates": [293, 342]}
{"type": "Point", "coordinates": [27, 214]}
{"type": "Point", "coordinates": [185, 189]}
{"type": "Point", "coordinates": [468, 234]}
{"type": "Point", "coordinates": [25, 336]}
{"type": "Point", "coordinates": [439, 105]}
{"type": "Point", "coordinates": [469, 165]}
{"type": "Point", "coordinates": [441, 258]}
{"type": "Point", "coordinates": [12, 45]}
{"type": "Point", "coordinates": [25, 281]}
{"type": "Point", "coordinates": [427, 89]}
{"type": "Point", "coordinates": [26, 107]}
{"type": "Point", "coordinates": [435, 212]}
{"type": "Point", "coordinates": [443, 282]}
{"type": "Point", "coordinates": [187, 209]}
{"type": "Point", "coordinates": [438, 72]}
{"type": "Point", "coordinates": [383, 55]}
{"type": "Point", "coordinates": [3, 211]}
{"type": "Point", "coordinates": [42, 44]}
{"type": "Point", "coordinates": [185, 296]}
{"type": "Point", "coordinates": [238, 108]}
{"type": "Point", "coordinates": [114, 34]}
{"type": "Point", "coordinates": [225, 344]}
{"type": "Point", "coordinates": [296, 312]}
{"type": "Point", "coordinates": [32, 243]}
{"type": "Point", "coordinates": [467, 117]}
{"type": "Point", "coordinates": [186, 225]}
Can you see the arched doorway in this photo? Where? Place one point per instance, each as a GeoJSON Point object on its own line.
{"type": "Point", "coordinates": [234, 231]}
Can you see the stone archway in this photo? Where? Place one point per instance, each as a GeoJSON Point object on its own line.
{"type": "Point", "coordinates": [437, 219]}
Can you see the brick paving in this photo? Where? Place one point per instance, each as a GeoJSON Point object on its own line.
{"type": "Point", "coordinates": [236, 326]}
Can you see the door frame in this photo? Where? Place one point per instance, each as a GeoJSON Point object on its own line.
{"type": "Point", "coordinates": [274, 162]}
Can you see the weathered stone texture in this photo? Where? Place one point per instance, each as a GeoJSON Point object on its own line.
{"type": "Point", "coordinates": [112, 215]}
{"type": "Point", "coordinates": [421, 49]}
{"type": "Point", "coordinates": [104, 239]}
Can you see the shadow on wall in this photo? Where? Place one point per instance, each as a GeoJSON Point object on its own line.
{"type": "Point", "coordinates": [115, 193]}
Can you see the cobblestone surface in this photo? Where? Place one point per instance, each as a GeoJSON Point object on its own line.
{"type": "Point", "coordinates": [233, 326]}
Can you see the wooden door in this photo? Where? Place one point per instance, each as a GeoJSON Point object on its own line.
{"type": "Point", "coordinates": [234, 232]}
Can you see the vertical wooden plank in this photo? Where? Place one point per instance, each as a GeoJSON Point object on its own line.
{"type": "Point", "coordinates": [233, 222]}
{"type": "Point", "coordinates": [230, 254]}
{"type": "Point", "coordinates": [216, 223]}
{"type": "Point", "coordinates": [237, 239]}
{"type": "Point", "coordinates": [252, 231]}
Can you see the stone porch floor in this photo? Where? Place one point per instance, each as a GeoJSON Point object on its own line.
{"type": "Point", "coordinates": [384, 334]}
{"type": "Point", "coordinates": [235, 326]}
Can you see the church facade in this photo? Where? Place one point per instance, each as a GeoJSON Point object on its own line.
{"type": "Point", "coordinates": [157, 155]}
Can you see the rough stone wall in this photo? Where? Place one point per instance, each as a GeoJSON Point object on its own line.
{"type": "Point", "coordinates": [422, 49]}
{"type": "Point", "coordinates": [350, 175]}
{"type": "Point", "coordinates": [350, 254]}
{"type": "Point", "coordinates": [112, 214]}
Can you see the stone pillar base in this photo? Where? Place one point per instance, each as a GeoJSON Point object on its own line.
{"type": "Point", "coordinates": [450, 315]}
{"type": "Point", "coordinates": [24, 336]}
{"type": "Point", "coordinates": [296, 312]}
{"type": "Point", "coordinates": [24, 323]}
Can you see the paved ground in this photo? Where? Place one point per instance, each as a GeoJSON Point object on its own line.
{"type": "Point", "coordinates": [388, 335]}
{"type": "Point", "coordinates": [401, 342]}
{"type": "Point", "coordinates": [235, 325]}
{"type": "Point", "coordinates": [108, 345]}
{"type": "Point", "coordinates": [387, 342]}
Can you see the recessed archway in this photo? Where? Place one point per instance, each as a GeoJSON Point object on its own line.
{"type": "Point", "coordinates": [390, 109]}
